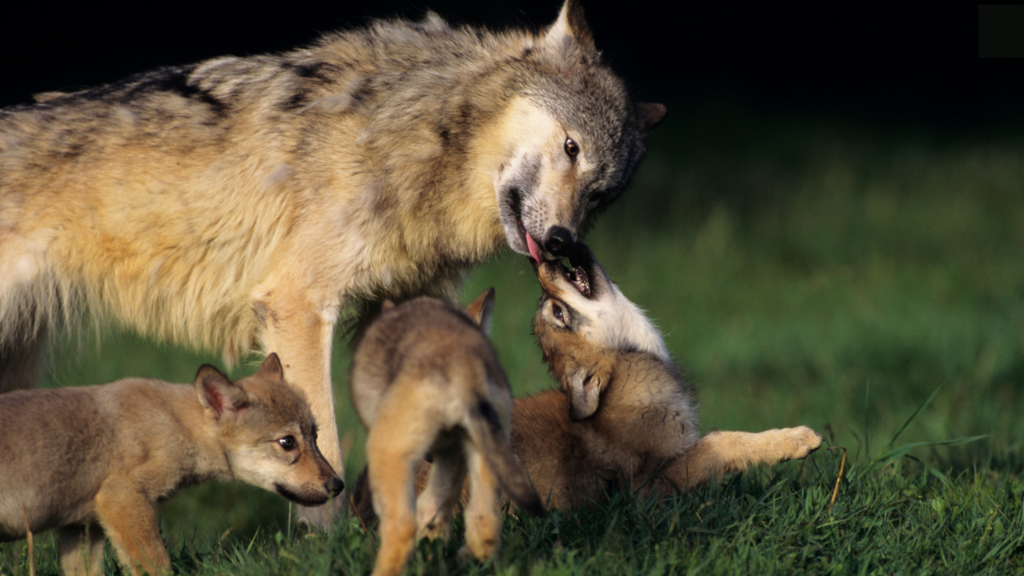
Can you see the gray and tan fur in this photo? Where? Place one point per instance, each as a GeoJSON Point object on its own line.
{"type": "Point", "coordinates": [242, 203]}
{"type": "Point", "coordinates": [426, 381]}
{"type": "Point", "coordinates": [93, 461]}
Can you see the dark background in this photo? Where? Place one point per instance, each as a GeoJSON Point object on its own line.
{"type": "Point", "coordinates": [879, 61]}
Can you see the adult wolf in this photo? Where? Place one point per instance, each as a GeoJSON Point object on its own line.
{"type": "Point", "coordinates": [241, 203]}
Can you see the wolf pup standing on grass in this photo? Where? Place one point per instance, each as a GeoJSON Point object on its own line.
{"type": "Point", "coordinates": [244, 202]}
{"type": "Point", "coordinates": [425, 380]}
{"type": "Point", "coordinates": [93, 461]}
{"type": "Point", "coordinates": [624, 411]}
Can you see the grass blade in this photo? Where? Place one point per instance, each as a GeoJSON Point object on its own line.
{"type": "Point", "coordinates": [913, 416]}
{"type": "Point", "coordinates": [904, 449]}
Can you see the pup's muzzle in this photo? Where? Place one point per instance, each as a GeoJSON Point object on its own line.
{"type": "Point", "coordinates": [334, 485]}
{"type": "Point", "coordinates": [581, 273]}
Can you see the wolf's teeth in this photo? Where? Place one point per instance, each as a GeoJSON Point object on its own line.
{"type": "Point", "coordinates": [582, 281]}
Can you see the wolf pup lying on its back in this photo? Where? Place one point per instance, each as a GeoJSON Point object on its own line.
{"type": "Point", "coordinates": [425, 380]}
{"type": "Point", "coordinates": [242, 202]}
{"type": "Point", "coordinates": [624, 410]}
{"type": "Point", "coordinates": [93, 461]}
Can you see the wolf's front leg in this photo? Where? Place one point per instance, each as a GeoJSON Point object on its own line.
{"type": "Point", "coordinates": [301, 334]}
{"type": "Point", "coordinates": [20, 357]}
{"type": "Point", "coordinates": [720, 453]}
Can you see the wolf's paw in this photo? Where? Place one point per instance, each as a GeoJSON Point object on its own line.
{"type": "Point", "coordinates": [800, 442]}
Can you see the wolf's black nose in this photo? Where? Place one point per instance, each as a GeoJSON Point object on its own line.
{"type": "Point", "coordinates": [335, 486]}
{"type": "Point", "coordinates": [559, 242]}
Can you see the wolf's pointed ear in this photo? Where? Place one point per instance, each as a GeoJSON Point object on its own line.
{"type": "Point", "coordinates": [271, 367]}
{"type": "Point", "coordinates": [570, 25]}
{"type": "Point", "coordinates": [480, 310]}
{"type": "Point", "coordinates": [650, 115]}
{"type": "Point", "coordinates": [217, 393]}
{"type": "Point", "coordinates": [585, 385]}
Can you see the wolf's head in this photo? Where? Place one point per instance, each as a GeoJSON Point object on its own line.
{"type": "Point", "coordinates": [583, 322]}
{"type": "Point", "coordinates": [268, 433]}
{"type": "Point", "coordinates": [573, 137]}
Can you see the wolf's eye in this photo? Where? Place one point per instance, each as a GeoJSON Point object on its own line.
{"type": "Point", "coordinates": [287, 443]}
{"type": "Point", "coordinates": [571, 147]}
{"type": "Point", "coordinates": [556, 310]}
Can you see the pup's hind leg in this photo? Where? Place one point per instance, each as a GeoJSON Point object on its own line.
{"type": "Point", "coordinates": [130, 521]}
{"type": "Point", "coordinates": [483, 513]}
{"type": "Point", "coordinates": [720, 453]}
{"type": "Point", "coordinates": [435, 504]}
{"type": "Point", "coordinates": [396, 443]}
{"type": "Point", "coordinates": [81, 550]}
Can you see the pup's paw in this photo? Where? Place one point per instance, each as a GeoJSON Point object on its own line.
{"type": "Point", "coordinates": [467, 554]}
{"type": "Point", "coordinates": [800, 442]}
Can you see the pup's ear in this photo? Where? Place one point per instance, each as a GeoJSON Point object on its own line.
{"type": "Point", "coordinates": [480, 310]}
{"type": "Point", "coordinates": [217, 393]}
{"type": "Point", "coordinates": [650, 115]}
{"type": "Point", "coordinates": [585, 385]}
{"type": "Point", "coordinates": [271, 367]}
{"type": "Point", "coordinates": [387, 305]}
{"type": "Point", "coordinates": [570, 26]}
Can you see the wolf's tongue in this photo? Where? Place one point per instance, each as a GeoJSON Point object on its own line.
{"type": "Point", "coordinates": [534, 249]}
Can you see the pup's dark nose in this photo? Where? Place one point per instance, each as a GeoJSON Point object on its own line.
{"type": "Point", "coordinates": [559, 242]}
{"type": "Point", "coordinates": [335, 485]}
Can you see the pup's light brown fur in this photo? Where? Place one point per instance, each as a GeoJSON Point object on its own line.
{"type": "Point", "coordinates": [92, 461]}
{"type": "Point", "coordinates": [425, 380]}
{"type": "Point", "coordinates": [242, 203]}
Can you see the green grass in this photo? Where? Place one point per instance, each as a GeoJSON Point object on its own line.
{"type": "Point", "coordinates": [805, 270]}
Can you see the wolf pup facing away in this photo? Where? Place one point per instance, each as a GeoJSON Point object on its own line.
{"type": "Point", "coordinates": [93, 461]}
{"type": "Point", "coordinates": [624, 410]}
{"type": "Point", "coordinates": [425, 380]}
{"type": "Point", "coordinates": [241, 203]}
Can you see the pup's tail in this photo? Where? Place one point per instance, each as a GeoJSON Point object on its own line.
{"type": "Point", "coordinates": [484, 428]}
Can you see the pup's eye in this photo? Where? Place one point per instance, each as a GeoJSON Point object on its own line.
{"type": "Point", "coordinates": [288, 443]}
{"type": "Point", "coordinates": [571, 147]}
{"type": "Point", "coordinates": [598, 197]}
{"type": "Point", "coordinates": [556, 310]}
